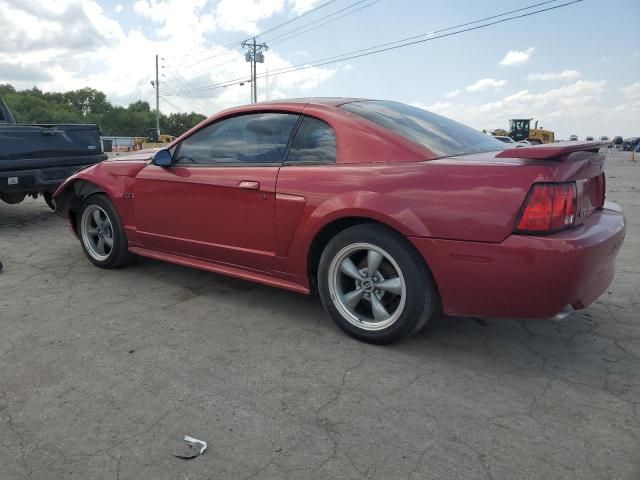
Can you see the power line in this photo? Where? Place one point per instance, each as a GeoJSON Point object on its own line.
{"type": "Point", "coordinates": [308, 12]}
{"type": "Point", "coordinates": [288, 35]}
{"type": "Point", "coordinates": [455, 27]}
{"type": "Point", "coordinates": [176, 109]}
{"type": "Point", "coordinates": [212, 66]}
{"type": "Point", "coordinates": [276, 39]}
{"type": "Point", "coordinates": [185, 83]}
{"type": "Point", "coordinates": [208, 52]}
{"type": "Point", "coordinates": [396, 44]}
{"type": "Point", "coordinates": [237, 45]}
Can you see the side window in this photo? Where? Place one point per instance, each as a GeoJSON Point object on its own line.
{"type": "Point", "coordinates": [315, 142]}
{"type": "Point", "coordinates": [258, 138]}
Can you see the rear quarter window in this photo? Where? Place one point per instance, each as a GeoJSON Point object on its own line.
{"type": "Point", "coordinates": [315, 142]}
{"type": "Point", "coordinates": [442, 136]}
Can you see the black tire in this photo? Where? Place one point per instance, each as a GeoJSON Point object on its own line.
{"type": "Point", "coordinates": [418, 288]}
{"type": "Point", "coordinates": [48, 199]}
{"type": "Point", "coordinates": [118, 254]}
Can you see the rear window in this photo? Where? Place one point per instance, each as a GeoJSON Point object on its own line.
{"type": "Point", "coordinates": [442, 136]}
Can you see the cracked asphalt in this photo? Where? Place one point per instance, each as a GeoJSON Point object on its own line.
{"type": "Point", "coordinates": [102, 373]}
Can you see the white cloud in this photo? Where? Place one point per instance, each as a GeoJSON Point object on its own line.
{"type": "Point", "coordinates": [486, 84]}
{"type": "Point", "coordinates": [118, 8]}
{"type": "Point", "coordinates": [453, 93]}
{"type": "Point", "coordinates": [244, 15]}
{"type": "Point", "coordinates": [517, 57]}
{"type": "Point", "coordinates": [632, 91]}
{"type": "Point", "coordinates": [82, 46]}
{"type": "Point", "coordinates": [28, 26]}
{"type": "Point", "coordinates": [300, 6]}
{"type": "Point", "coordinates": [575, 108]}
{"type": "Point", "coordinates": [564, 75]}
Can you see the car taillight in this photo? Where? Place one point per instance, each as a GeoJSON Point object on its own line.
{"type": "Point", "coordinates": [597, 190]}
{"type": "Point", "coordinates": [549, 207]}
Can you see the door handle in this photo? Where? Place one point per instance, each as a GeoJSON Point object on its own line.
{"type": "Point", "coordinates": [249, 185]}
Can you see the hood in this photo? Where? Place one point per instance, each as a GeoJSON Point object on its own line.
{"type": "Point", "coordinates": [146, 154]}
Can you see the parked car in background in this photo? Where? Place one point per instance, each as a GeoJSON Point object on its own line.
{"type": "Point", "coordinates": [511, 143]}
{"type": "Point", "coordinates": [573, 138]}
{"type": "Point", "coordinates": [618, 142]}
{"type": "Point", "coordinates": [629, 144]}
{"type": "Point", "coordinates": [36, 159]}
{"type": "Point", "coordinates": [589, 138]}
{"type": "Point", "coordinates": [390, 212]}
{"type": "Point", "coordinates": [505, 139]}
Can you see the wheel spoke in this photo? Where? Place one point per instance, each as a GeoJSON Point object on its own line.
{"type": "Point", "coordinates": [96, 218]}
{"type": "Point", "coordinates": [374, 259]}
{"type": "Point", "coordinates": [349, 268]}
{"type": "Point", "coordinates": [391, 285]}
{"type": "Point", "coordinates": [92, 231]}
{"type": "Point", "coordinates": [108, 241]}
{"type": "Point", "coordinates": [100, 246]}
{"type": "Point", "coordinates": [379, 312]}
{"type": "Point", "coordinates": [352, 298]}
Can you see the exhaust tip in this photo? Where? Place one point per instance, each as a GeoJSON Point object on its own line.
{"type": "Point", "coordinates": [562, 314]}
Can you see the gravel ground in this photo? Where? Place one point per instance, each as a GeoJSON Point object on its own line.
{"type": "Point", "coordinates": [103, 372]}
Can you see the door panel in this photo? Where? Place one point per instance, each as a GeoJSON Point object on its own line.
{"type": "Point", "coordinates": [217, 200]}
{"type": "Point", "coordinates": [206, 212]}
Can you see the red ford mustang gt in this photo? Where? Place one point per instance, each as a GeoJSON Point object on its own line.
{"type": "Point", "coordinates": [389, 211]}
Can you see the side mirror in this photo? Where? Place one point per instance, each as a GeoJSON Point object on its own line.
{"type": "Point", "coordinates": [162, 158]}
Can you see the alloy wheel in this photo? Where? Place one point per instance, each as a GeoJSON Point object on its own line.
{"type": "Point", "coordinates": [97, 232]}
{"type": "Point", "coordinates": [367, 286]}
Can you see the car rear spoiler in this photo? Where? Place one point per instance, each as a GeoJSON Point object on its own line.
{"type": "Point", "coordinates": [552, 150]}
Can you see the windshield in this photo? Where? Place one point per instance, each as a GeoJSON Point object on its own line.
{"type": "Point", "coordinates": [442, 136]}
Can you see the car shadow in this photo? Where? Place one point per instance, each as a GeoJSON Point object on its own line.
{"type": "Point", "coordinates": [28, 212]}
{"type": "Point", "coordinates": [484, 345]}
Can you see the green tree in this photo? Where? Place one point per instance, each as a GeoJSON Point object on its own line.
{"type": "Point", "coordinates": [88, 105]}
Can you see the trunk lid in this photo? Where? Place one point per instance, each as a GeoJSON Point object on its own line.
{"type": "Point", "coordinates": [579, 162]}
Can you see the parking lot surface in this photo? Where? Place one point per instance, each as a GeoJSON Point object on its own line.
{"type": "Point", "coordinates": [102, 373]}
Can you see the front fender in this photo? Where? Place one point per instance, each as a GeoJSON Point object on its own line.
{"type": "Point", "coordinates": [114, 179]}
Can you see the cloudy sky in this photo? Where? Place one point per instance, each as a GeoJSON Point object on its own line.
{"type": "Point", "coordinates": [576, 68]}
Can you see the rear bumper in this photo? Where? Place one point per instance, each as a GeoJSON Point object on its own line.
{"type": "Point", "coordinates": [527, 276]}
{"type": "Point", "coordinates": [43, 179]}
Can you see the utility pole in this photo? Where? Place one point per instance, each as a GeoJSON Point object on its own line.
{"type": "Point", "coordinates": [254, 55]}
{"type": "Point", "coordinates": [157, 101]}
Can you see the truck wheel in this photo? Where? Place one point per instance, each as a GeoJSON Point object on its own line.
{"type": "Point", "coordinates": [101, 233]}
{"type": "Point", "coordinates": [12, 198]}
{"type": "Point", "coordinates": [375, 285]}
{"type": "Point", "coordinates": [48, 198]}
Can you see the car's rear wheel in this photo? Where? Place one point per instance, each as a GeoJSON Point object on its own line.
{"type": "Point", "coordinates": [101, 233]}
{"type": "Point", "coordinates": [375, 285]}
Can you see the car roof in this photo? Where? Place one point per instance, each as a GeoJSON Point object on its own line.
{"type": "Point", "coordinates": [293, 104]}
{"type": "Point", "coordinates": [327, 101]}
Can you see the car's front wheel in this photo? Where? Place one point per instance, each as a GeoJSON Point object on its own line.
{"type": "Point", "coordinates": [102, 234]}
{"type": "Point", "coordinates": [375, 285]}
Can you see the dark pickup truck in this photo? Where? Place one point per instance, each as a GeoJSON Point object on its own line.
{"type": "Point", "coordinates": [36, 159]}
